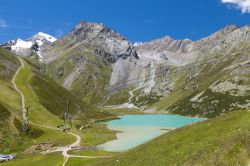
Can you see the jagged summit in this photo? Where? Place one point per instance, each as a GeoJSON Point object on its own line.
{"type": "Point", "coordinates": [89, 30]}
{"type": "Point", "coordinates": [164, 44]}
{"type": "Point", "coordinates": [108, 43]}
{"type": "Point", "coordinates": [169, 44]}
{"type": "Point", "coordinates": [104, 42]}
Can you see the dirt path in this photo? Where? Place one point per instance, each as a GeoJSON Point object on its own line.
{"type": "Point", "coordinates": [15, 87]}
{"type": "Point", "coordinates": [64, 150]}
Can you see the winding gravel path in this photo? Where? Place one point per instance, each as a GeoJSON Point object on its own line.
{"type": "Point", "coordinates": [15, 87]}
{"type": "Point", "coordinates": [64, 150]}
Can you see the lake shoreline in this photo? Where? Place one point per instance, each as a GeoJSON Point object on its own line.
{"type": "Point", "coordinates": [129, 136]}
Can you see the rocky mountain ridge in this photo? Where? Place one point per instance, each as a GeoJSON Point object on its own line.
{"type": "Point", "coordinates": [182, 52]}
{"type": "Point", "coordinates": [99, 65]}
{"type": "Point", "coordinates": [106, 42]}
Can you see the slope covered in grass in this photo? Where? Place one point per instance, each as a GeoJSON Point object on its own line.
{"type": "Point", "coordinates": [222, 81]}
{"type": "Point", "coordinates": [10, 104]}
{"type": "Point", "coordinates": [79, 71]}
{"type": "Point", "coordinates": [48, 98]}
{"type": "Point", "coordinates": [8, 64]}
{"type": "Point", "coordinates": [48, 102]}
{"type": "Point", "coordinates": [12, 138]}
{"type": "Point", "coordinates": [223, 140]}
{"type": "Point", "coordinates": [55, 159]}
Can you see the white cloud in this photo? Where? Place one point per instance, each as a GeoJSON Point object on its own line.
{"type": "Point", "coordinates": [3, 23]}
{"type": "Point", "coordinates": [243, 5]}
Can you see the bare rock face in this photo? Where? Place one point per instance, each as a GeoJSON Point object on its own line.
{"type": "Point", "coordinates": [181, 52]}
{"type": "Point", "coordinates": [184, 46]}
{"type": "Point", "coordinates": [108, 43]}
{"type": "Point", "coordinates": [166, 44]}
{"type": "Point", "coordinates": [176, 52]}
{"type": "Point", "coordinates": [218, 41]}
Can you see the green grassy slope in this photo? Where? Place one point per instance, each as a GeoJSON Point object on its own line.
{"type": "Point", "coordinates": [209, 74]}
{"type": "Point", "coordinates": [78, 63]}
{"type": "Point", "coordinates": [223, 140]}
{"type": "Point", "coordinates": [55, 159]}
{"type": "Point", "coordinates": [12, 138]}
{"type": "Point", "coordinates": [10, 104]}
{"type": "Point", "coordinates": [47, 100]}
{"type": "Point", "coordinates": [8, 65]}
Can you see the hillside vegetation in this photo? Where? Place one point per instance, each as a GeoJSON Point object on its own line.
{"type": "Point", "coordinates": [94, 66]}
{"type": "Point", "coordinates": [223, 81]}
{"type": "Point", "coordinates": [47, 101]}
{"type": "Point", "coordinates": [80, 71]}
{"type": "Point", "coordinates": [10, 104]}
{"type": "Point", "coordinates": [223, 140]}
{"type": "Point", "coordinates": [12, 138]}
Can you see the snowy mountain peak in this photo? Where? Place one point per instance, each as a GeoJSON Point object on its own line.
{"type": "Point", "coordinates": [41, 35]}
{"type": "Point", "coordinates": [33, 44]}
{"type": "Point", "coordinates": [40, 38]}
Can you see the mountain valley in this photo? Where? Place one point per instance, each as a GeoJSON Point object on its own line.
{"type": "Point", "coordinates": [94, 74]}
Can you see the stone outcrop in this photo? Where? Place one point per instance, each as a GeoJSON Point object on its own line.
{"type": "Point", "coordinates": [109, 44]}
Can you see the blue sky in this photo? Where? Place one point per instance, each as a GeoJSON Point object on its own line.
{"type": "Point", "coordinates": [137, 20]}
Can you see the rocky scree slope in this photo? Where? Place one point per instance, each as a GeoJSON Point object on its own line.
{"type": "Point", "coordinates": [87, 58]}
{"type": "Point", "coordinates": [214, 69]}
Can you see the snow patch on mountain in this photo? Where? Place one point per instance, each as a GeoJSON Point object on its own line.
{"type": "Point", "coordinates": [25, 47]}
{"type": "Point", "coordinates": [46, 36]}
{"type": "Point", "coordinates": [40, 38]}
{"type": "Point", "coordinates": [137, 44]}
{"type": "Point", "coordinates": [21, 44]}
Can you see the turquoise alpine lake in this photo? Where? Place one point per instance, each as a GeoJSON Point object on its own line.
{"type": "Point", "coordinates": [138, 129]}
